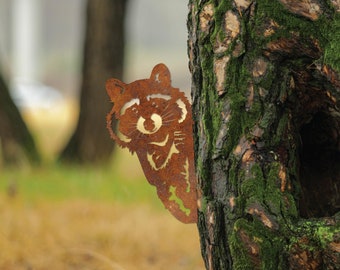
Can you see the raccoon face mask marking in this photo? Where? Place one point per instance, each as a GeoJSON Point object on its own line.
{"type": "Point", "coordinates": [154, 120]}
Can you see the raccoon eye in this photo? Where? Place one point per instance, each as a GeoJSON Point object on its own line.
{"type": "Point", "coordinates": [130, 104]}
{"type": "Point", "coordinates": [135, 110]}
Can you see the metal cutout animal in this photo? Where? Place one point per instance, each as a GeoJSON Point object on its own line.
{"type": "Point", "coordinates": [154, 120]}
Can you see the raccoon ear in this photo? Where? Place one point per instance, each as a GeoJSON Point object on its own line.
{"type": "Point", "coordinates": [161, 74]}
{"type": "Point", "coordinates": [114, 88]}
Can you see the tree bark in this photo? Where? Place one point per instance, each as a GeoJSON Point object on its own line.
{"type": "Point", "coordinates": [103, 59]}
{"type": "Point", "coordinates": [266, 96]}
{"type": "Point", "coordinates": [16, 142]}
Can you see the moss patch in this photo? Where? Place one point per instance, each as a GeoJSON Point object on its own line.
{"type": "Point", "coordinates": [254, 247]}
{"type": "Point", "coordinates": [332, 49]}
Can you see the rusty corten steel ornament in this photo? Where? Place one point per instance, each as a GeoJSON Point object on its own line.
{"type": "Point", "coordinates": [155, 121]}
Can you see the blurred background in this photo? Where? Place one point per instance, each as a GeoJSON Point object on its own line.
{"type": "Point", "coordinates": [69, 199]}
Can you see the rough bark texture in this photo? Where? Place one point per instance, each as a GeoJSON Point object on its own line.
{"type": "Point", "coordinates": [103, 59]}
{"type": "Point", "coordinates": [266, 96]}
{"type": "Point", "coordinates": [16, 142]}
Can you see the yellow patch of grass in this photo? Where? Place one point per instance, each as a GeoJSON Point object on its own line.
{"type": "Point", "coordinates": [82, 234]}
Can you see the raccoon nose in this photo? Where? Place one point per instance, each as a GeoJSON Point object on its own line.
{"type": "Point", "coordinates": [150, 125]}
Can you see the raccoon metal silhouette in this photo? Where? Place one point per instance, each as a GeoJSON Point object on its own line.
{"type": "Point", "coordinates": [154, 120]}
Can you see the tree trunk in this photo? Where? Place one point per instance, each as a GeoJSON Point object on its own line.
{"type": "Point", "coordinates": [103, 59]}
{"type": "Point", "coordinates": [16, 142]}
{"type": "Point", "coordinates": [266, 96]}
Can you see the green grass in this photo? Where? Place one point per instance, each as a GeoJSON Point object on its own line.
{"type": "Point", "coordinates": [61, 182]}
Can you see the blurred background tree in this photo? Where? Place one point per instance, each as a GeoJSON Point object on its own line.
{"type": "Point", "coordinates": [16, 142]}
{"type": "Point", "coordinates": [103, 58]}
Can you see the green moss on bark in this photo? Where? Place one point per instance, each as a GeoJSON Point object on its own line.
{"type": "Point", "coordinates": [255, 247]}
{"type": "Point", "coordinates": [332, 48]}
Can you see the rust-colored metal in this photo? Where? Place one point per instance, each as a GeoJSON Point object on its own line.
{"type": "Point", "coordinates": [155, 121]}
